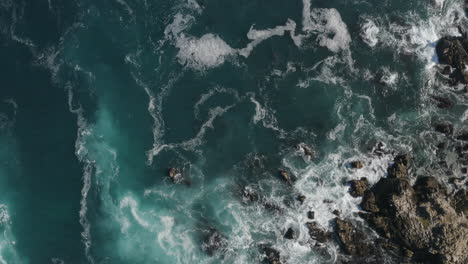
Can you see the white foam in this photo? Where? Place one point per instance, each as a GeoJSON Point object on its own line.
{"type": "Point", "coordinates": [260, 113]}
{"type": "Point", "coordinates": [200, 53]}
{"type": "Point", "coordinates": [210, 50]}
{"type": "Point", "coordinates": [325, 22]}
{"type": "Point", "coordinates": [389, 78]}
{"type": "Point", "coordinates": [370, 32]}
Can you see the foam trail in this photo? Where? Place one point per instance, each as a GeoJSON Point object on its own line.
{"type": "Point", "coordinates": [210, 50]}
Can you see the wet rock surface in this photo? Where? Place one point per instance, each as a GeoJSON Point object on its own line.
{"type": "Point", "coordinates": [423, 218]}
{"type": "Point", "coordinates": [453, 51]}
{"type": "Point", "coordinates": [358, 187]}
{"type": "Point", "coordinates": [271, 255]}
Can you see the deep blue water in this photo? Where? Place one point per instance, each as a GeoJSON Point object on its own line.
{"type": "Point", "coordinates": [100, 98]}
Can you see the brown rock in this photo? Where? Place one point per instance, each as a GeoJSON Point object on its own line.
{"type": "Point", "coordinates": [369, 202]}
{"type": "Point", "coordinates": [358, 187]}
{"type": "Point", "coordinates": [351, 239]}
{"type": "Point", "coordinates": [317, 233]}
{"type": "Point", "coordinates": [356, 164]}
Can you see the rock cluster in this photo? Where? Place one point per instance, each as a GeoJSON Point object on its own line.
{"type": "Point", "coordinates": [421, 218]}
{"type": "Point", "coordinates": [453, 51]}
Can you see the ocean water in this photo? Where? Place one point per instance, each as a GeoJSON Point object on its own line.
{"type": "Point", "coordinates": [99, 98]}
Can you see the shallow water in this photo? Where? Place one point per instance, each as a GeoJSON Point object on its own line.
{"type": "Point", "coordinates": [100, 98]}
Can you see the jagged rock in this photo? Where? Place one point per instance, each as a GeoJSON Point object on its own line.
{"type": "Point", "coordinates": [422, 218]}
{"type": "Point", "coordinates": [356, 164]}
{"type": "Point", "coordinates": [301, 198]}
{"type": "Point", "coordinates": [399, 169]}
{"type": "Point", "coordinates": [442, 102]}
{"type": "Point", "coordinates": [290, 234]}
{"type": "Point", "coordinates": [176, 176]}
{"type": "Point", "coordinates": [317, 233]}
{"type": "Point", "coordinates": [249, 195]}
{"type": "Point", "coordinates": [307, 150]}
{"type": "Point", "coordinates": [351, 239]}
{"type": "Point", "coordinates": [460, 202]}
{"type": "Point", "coordinates": [272, 256]}
{"type": "Point", "coordinates": [369, 203]}
{"type": "Point", "coordinates": [336, 212]}
{"type": "Point", "coordinates": [452, 51]}
{"type": "Point", "coordinates": [213, 241]}
{"type": "Point", "coordinates": [379, 149]}
{"type": "Point", "coordinates": [464, 170]}
{"type": "Point", "coordinates": [285, 176]}
{"type": "Point", "coordinates": [444, 128]}
{"type": "Point", "coordinates": [358, 187]}
{"type": "Point", "coordinates": [463, 136]}
{"type": "Point", "coordinates": [310, 215]}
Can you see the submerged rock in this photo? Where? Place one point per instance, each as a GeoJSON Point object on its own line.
{"type": "Point", "coordinates": [213, 241]}
{"type": "Point", "coordinates": [463, 136]}
{"type": "Point", "coordinates": [250, 195]}
{"type": "Point", "coordinates": [358, 187]}
{"type": "Point", "coordinates": [444, 128]}
{"type": "Point", "coordinates": [310, 215]}
{"type": "Point", "coordinates": [442, 102]}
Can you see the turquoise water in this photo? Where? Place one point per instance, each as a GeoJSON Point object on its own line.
{"type": "Point", "coordinates": [99, 98]}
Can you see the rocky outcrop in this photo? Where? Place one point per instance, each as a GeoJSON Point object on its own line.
{"type": "Point", "coordinates": [317, 233]}
{"type": "Point", "coordinates": [271, 255]}
{"type": "Point", "coordinates": [352, 240]}
{"type": "Point", "coordinates": [358, 187]}
{"type": "Point", "coordinates": [422, 218]}
{"type": "Point", "coordinates": [287, 177]}
{"type": "Point", "coordinates": [444, 128]}
{"type": "Point", "coordinates": [453, 51]}
{"type": "Point", "coordinates": [307, 151]}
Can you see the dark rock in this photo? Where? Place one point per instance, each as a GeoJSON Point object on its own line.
{"type": "Point", "coordinates": [176, 176]}
{"type": "Point", "coordinates": [452, 51]}
{"type": "Point", "coordinates": [336, 212]}
{"type": "Point", "coordinates": [460, 202]}
{"type": "Point", "coordinates": [327, 201]}
{"type": "Point", "coordinates": [290, 234]}
{"type": "Point", "coordinates": [369, 202]}
{"type": "Point", "coordinates": [464, 170]}
{"type": "Point", "coordinates": [301, 198]}
{"type": "Point", "coordinates": [310, 215]}
{"type": "Point", "coordinates": [379, 149]}
{"type": "Point", "coordinates": [307, 150]}
{"type": "Point", "coordinates": [399, 169]}
{"type": "Point", "coordinates": [285, 176]}
{"type": "Point", "coordinates": [442, 102]}
{"type": "Point", "coordinates": [421, 218]}
{"type": "Point", "coordinates": [356, 165]}
{"type": "Point", "coordinates": [317, 233]}
{"type": "Point", "coordinates": [444, 128]}
{"type": "Point", "coordinates": [447, 70]}
{"type": "Point", "coordinates": [351, 239]}
{"type": "Point", "coordinates": [213, 241]}
{"type": "Point", "coordinates": [272, 256]}
{"type": "Point", "coordinates": [463, 136]}
{"type": "Point", "coordinates": [249, 195]}
{"type": "Point", "coordinates": [358, 187]}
